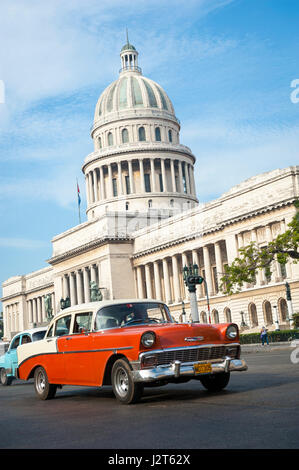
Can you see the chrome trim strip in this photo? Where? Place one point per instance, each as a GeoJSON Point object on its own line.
{"type": "Point", "coordinates": [178, 369]}
{"type": "Point", "coordinates": [75, 352]}
{"type": "Point", "coordinates": [200, 346]}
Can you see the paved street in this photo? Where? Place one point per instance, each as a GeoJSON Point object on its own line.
{"type": "Point", "coordinates": [259, 409]}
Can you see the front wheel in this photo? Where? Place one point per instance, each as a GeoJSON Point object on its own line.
{"type": "Point", "coordinates": [4, 379]}
{"type": "Point", "coordinates": [124, 388]}
{"type": "Point", "coordinates": [215, 382]}
{"type": "Point", "coordinates": [43, 389]}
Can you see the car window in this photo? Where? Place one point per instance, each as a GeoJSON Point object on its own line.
{"type": "Point", "coordinates": [15, 343]}
{"type": "Point", "coordinates": [82, 321]}
{"type": "Point", "coordinates": [120, 315]}
{"type": "Point", "coordinates": [26, 339]}
{"type": "Point", "coordinates": [50, 332]}
{"type": "Point", "coordinates": [62, 326]}
{"type": "Point", "coordinates": [38, 335]}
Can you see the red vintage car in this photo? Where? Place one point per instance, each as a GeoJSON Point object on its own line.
{"type": "Point", "coordinates": [129, 344]}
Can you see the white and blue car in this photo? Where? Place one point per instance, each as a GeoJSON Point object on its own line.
{"type": "Point", "coordinates": [9, 360]}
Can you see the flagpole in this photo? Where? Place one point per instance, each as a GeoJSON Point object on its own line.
{"type": "Point", "coordinates": [79, 201]}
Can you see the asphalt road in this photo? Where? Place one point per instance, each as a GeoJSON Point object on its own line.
{"type": "Point", "coordinates": [258, 410]}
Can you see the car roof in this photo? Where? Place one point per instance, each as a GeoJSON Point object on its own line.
{"type": "Point", "coordinates": [31, 331]}
{"type": "Point", "coordinates": [94, 306]}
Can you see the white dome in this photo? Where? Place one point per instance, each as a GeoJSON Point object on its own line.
{"type": "Point", "coordinates": [134, 91]}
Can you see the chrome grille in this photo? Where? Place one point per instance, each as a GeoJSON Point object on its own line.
{"type": "Point", "coordinates": [197, 354]}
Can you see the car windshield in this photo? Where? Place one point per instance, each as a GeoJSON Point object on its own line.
{"type": "Point", "coordinates": [121, 315]}
{"type": "Point", "coordinates": [38, 335]}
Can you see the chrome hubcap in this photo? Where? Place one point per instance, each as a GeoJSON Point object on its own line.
{"type": "Point", "coordinates": [122, 382]}
{"type": "Point", "coordinates": [41, 382]}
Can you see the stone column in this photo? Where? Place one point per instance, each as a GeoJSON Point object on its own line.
{"type": "Point", "coordinates": [87, 189]}
{"type": "Point", "coordinates": [141, 170]}
{"type": "Point", "coordinates": [231, 248]}
{"type": "Point", "coordinates": [120, 180]}
{"type": "Point", "coordinates": [157, 281]}
{"type": "Point", "coordinates": [219, 266]}
{"type": "Point", "coordinates": [95, 185]}
{"type": "Point", "coordinates": [166, 281]}
{"type": "Point", "coordinates": [139, 283]}
{"type": "Point", "coordinates": [208, 270]}
{"type": "Point", "coordinates": [34, 315]}
{"type": "Point", "coordinates": [269, 238]}
{"type": "Point", "coordinates": [86, 286]}
{"type": "Point", "coordinates": [153, 176]}
{"type": "Point", "coordinates": [187, 177]}
{"type": "Point", "coordinates": [181, 184]}
{"type": "Point", "coordinates": [163, 171]}
{"type": "Point", "coordinates": [148, 280]}
{"type": "Point", "coordinates": [110, 183]}
{"type": "Point", "coordinates": [195, 259]}
{"type": "Point", "coordinates": [131, 176]}
{"type": "Point", "coordinates": [30, 311]}
{"type": "Point", "coordinates": [172, 176]}
{"type": "Point", "coordinates": [79, 287]}
{"type": "Point", "coordinates": [192, 181]}
{"type": "Point", "coordinates": [176, 279]}
{"type": "Point", "coordinates": [185, 263]}
{"type": "Point", "coordinates": [102, 183]}
{"type": "Point", "coordinates": [66, 292]}
{"type": "Point", "coordinates": [72, 289]}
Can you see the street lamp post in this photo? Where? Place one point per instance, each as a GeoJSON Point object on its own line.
{"type": "Point", "coordinates": [276, 318]}
{"type": "Point", "coordinates": [289, 304]}
{"type": "Point", "coordinates": [191, 279]}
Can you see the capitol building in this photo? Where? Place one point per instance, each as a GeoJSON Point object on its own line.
{"type": "Point", "coordinates": [145, 223]}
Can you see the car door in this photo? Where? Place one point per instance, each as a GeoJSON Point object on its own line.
{"type": "Point", "coordinates": [78, 352]}
{"type": "Point", "coordinates": [12, 358]}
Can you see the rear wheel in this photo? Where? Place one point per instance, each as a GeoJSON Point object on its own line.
{"type": "Point", "coordinates": [124, 388]}
{"type": "Point", "coordinates": [215, 382]}
{"type": "Point", "coordinates": [43, 389]}
{"type": "Point", "coordinates": [4, 379]}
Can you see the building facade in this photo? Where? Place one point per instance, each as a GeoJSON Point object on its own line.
{"type": "Point", "coordinates": [144, 221]}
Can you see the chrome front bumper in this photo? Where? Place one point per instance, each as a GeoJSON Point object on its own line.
{"type": "Point", "coordinates": [179, 369]}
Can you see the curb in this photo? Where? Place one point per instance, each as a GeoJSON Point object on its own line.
{"type": "Point", "coordinates": [257, 347]}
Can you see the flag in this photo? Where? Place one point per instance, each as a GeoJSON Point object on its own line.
{"type": "Point", "coordinates": [79, 201]}
{"type": "Point", "coordinates": [78, 192]}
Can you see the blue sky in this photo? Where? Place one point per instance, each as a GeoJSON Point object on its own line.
{"type": "Point", "coordinates": [227, 66]}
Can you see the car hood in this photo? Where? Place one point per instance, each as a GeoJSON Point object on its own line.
{"type": "Point", "coordinates": [182, 334]}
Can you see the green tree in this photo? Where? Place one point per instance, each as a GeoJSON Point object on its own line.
{"type": "Point", "coordinates": [253, 258]}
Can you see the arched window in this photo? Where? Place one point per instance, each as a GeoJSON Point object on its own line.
{"type": "Point", "coordinates": [282, 310]}
{"type": "Point", "coordinates": [110, 139]}
{"type": "Point", "coordinates": [170, 135]}
{"type": "Point", "coordinates": [252, 315]}
{"type": "Point", "coordinates": [228, 315]}
{"type": "Point", "coordinates": [141, 134]}
{"type": "Point", "coordinates": [100, 142]}
{"type": "Point", "coordinates": [158, 134]}
{"type": "Point", "coordinates": [215, 316]}
{"type": "Point", "coordinates": [267, 313]}
{"type": "Point", "coordinates": [203, 317]}
{"type": "Point", "coordinates": [150, 203]}
{"type": "Point", "coordinates": [124, 136]}
{"type": "Point", "coordinates": [127, 206]}
{"type": "Point", "coordinates": [171, 202]}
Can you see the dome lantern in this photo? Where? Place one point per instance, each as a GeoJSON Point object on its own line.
{"type": "Point", "coordinates": [129, 58]}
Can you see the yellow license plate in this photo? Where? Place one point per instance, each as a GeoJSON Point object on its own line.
{"type": "Point", "coordinates": [203, 368]}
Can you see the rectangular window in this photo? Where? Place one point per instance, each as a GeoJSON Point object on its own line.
{"type": "Point", "coordinates": [161, 182]}
{"type": "Point", "coordinates": [114, 185]}
{"type": "Point", "coordinates": [215, 279]}
{"type": "Point", "coordinates": [283, 271]}
{"type": "Point", "coordinates": [147, 183]}
{"type": "Point", "coordinates": [127, 180]}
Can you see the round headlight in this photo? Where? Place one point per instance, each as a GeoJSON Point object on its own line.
{"type": "Point", "coordinates": [232, 332]}
{"type": "Point", "coordinates": [148, 339]}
